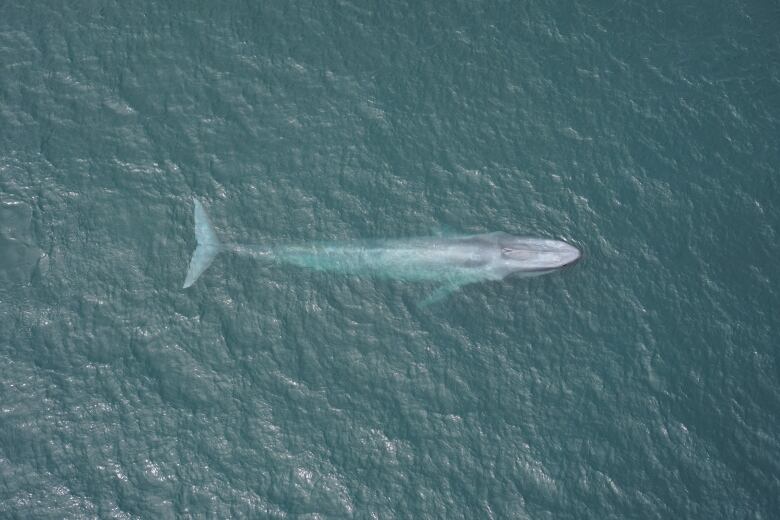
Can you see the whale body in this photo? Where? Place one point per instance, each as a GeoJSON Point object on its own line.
{"type": "Point", "coordinates": [450, 261]}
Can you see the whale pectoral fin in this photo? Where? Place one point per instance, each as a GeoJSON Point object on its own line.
{"type": "Point", "coordinates": [440, 294]}
{"type": "Point", "coordinates": [442, 231]}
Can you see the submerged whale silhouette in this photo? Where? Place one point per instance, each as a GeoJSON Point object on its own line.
{"type": "Point", "coordinates": [451, 261]}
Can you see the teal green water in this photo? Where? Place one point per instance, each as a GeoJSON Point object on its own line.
{"type": "Point", "coordinates": [642, 383]}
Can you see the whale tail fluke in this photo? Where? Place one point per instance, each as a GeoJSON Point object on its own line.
{"type": "Point", "coordinates": [208, 245]}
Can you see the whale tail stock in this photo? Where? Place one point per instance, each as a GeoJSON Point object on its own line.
{"type": "Point", "coordinates": [208, 245]}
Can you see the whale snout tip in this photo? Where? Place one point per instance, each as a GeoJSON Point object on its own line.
{"type": "Point", "coordinates": [572, 255]}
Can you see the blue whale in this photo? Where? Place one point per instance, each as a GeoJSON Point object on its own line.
{"type": "Point", "coordinates": [449, 261]}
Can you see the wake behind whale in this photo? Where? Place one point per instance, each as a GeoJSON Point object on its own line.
{"type": "Point", "coordinates": [450, 261]}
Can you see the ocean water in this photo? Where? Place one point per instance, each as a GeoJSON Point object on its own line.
{"type": "Point", "coordinates": [642, 383]}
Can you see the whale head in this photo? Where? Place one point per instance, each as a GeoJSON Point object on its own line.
{"type": "Point", "coordinates": [536, 255]}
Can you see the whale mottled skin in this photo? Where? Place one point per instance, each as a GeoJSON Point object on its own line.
{"type": "Point", "coordinates": [450, 261]}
